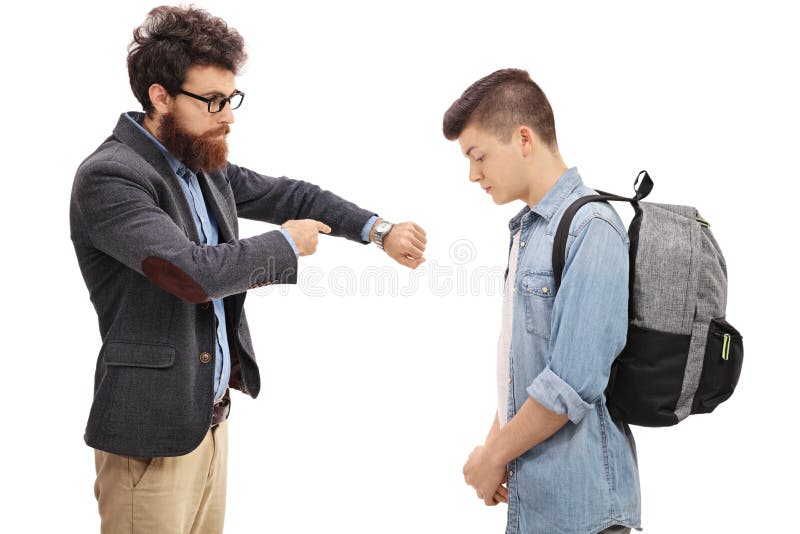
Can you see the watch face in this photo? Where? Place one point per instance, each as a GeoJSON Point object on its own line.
{"type": "Point", "coordinates": [383, 227]}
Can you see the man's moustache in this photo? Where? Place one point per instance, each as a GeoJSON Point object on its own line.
{"type": "Point", "coordinates": [225, 129]}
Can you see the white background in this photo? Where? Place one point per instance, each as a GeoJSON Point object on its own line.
{"type": "Point", "coordinates": [365, 430]}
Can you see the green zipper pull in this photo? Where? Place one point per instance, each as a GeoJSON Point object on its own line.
{"type": "Point", "coordinates": [699, 218]}
{"type": "Point", "coordinates": [726, 346]}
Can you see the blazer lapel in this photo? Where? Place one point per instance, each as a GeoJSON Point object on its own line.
{"type": "Point", "coordinates": [216, 203]}
{"type": "Point", "coordinates": [129, 134]}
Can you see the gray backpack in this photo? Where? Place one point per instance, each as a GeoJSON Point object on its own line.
{"type": "Point", "coordinates": [682, 357]}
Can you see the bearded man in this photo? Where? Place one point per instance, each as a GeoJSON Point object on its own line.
{"type": "Point", "coordinates": [153, 220]}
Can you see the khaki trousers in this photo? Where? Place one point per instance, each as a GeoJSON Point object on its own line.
{"type": "Point", "coordinates": [171, 495]}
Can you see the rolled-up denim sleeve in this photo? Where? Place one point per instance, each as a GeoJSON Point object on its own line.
{"type": "Point", "coordinates": [589, 322]}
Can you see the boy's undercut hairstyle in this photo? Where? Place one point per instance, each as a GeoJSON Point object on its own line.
{"type": "Point", "coordinates": [499, 103]}
{"type": "Point", "coordinates": [173, 39]}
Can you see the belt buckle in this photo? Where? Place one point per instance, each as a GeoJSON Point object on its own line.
{"type": "Point", "coordinates": [223, 408]}
{"type": "Point", "coordinates": [225, 397]}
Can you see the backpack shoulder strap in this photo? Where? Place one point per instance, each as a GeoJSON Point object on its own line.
{"type": "Point", "coordinates": [562, 233]}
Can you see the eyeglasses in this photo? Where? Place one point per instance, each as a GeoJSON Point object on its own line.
{"type": "Point", "coordinates": [217, 103]}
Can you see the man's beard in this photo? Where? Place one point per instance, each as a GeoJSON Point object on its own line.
{"type": "Point", "coordinates": [207, 152]}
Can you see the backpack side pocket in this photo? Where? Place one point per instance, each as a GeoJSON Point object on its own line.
{"type": "Point", "coordinates": [722, 365]}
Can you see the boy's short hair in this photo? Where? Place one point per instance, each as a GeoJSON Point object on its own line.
{"type": "Point", "coordinates": [499, 103]}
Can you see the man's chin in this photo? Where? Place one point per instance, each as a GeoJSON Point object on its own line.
{"type": "Point", "coordinates": [500, 201]}
{"type": "Point", "coordinates": [214, 154]}
{"type": "Point", "coordinates": [207, 153]}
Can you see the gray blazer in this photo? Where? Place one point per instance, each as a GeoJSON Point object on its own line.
{"type": "Point", "coordinates": [150, 283]}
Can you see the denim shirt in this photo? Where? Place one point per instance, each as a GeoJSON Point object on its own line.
{"type": "Point", "coordinates": [584, 478]}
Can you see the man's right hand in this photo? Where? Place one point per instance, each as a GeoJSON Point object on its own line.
{"type": "Point", "coordinates": [305, 233]}
{"type": "Point", "coordinates": [501, 494]}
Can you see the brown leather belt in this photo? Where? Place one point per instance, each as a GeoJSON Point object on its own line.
{"type": "Point", "coordinates": [221, 409]}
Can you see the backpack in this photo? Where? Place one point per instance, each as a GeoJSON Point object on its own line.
{"type": "Point", "coordinates": [681, 357]}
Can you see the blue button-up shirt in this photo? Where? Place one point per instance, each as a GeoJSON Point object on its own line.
{"type": "Point", "coordinates": [208, 231]}
{"type": "Point", "coordinates": [584, 478]}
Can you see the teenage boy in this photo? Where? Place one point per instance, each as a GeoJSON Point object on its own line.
{"type": "Point", "coordinates": [553, 453]}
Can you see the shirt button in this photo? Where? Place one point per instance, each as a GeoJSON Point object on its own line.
{"type": "Point", "coordinates": [205, 357]}
{"type": "Point", "coordinates": [522, 244]}
{"type": "Point", "coordinates": [545, 291]}
{"type": "Point", "coordinates": [509, 379]}
{"type": "Point", "coordinates": [510, 474]}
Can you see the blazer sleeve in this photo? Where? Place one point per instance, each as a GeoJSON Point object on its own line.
{"type": "Point", "coordinates": [120, 213]}
{"type": "Point", "coordinates": [277, 200]}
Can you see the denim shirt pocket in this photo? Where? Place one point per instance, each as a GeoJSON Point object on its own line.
{"type": "Point", "coordinates": [537, 290]}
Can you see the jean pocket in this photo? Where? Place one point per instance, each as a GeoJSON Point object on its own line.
{"type": "Point", "coordinates": [138, 468]}
{"type": "Point", "coordinates": [537, 290]}
{"type": "Point", "coordinates": [722, 365]}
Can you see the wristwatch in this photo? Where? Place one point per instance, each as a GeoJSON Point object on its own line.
{"type": "Point", "coordinates": [381, 230]}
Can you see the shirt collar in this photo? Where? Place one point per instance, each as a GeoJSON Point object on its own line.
{"type": "Point", "coordinates": [516, 220]}
{"type": "Point", "coordinates": [552, 200]}
{"type": "Point", "coordinates": [137, 118]}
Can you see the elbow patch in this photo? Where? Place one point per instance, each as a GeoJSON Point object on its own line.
{"type": "Point", "coordinates": [173, 279]}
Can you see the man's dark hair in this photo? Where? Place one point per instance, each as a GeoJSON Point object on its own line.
{"type": "Point", "coordinates": [171, 40]}
{"type": "Point", "coordinates": [499, 103]}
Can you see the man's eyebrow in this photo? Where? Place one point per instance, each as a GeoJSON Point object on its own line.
{"type": "Point", "coordinates": [214, 92]}
{"type": "Point", "coordinates": [469, 150]}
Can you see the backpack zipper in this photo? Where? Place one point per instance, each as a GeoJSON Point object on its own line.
{"type": "Point", "coordinates": [726, 346]}
{"type": "Point", "coordinates": [699, 218]}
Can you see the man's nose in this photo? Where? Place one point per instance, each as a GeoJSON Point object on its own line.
{"type": "Point", "coordinates": [226, 115]}
{"type": "Point", "coordinates": [474, 174]}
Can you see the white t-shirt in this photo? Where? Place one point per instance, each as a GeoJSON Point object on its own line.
{"type": "Point", "coordinates": [504, 343]}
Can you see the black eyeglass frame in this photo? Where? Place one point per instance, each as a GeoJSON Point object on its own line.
{"type": "Point", "coordinates": [209, 101]}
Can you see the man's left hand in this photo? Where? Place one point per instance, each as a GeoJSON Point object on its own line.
{"type": "Point", "coordinates": [483, 474]}
{"type": "Point", "coordinates": [405, 244]}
